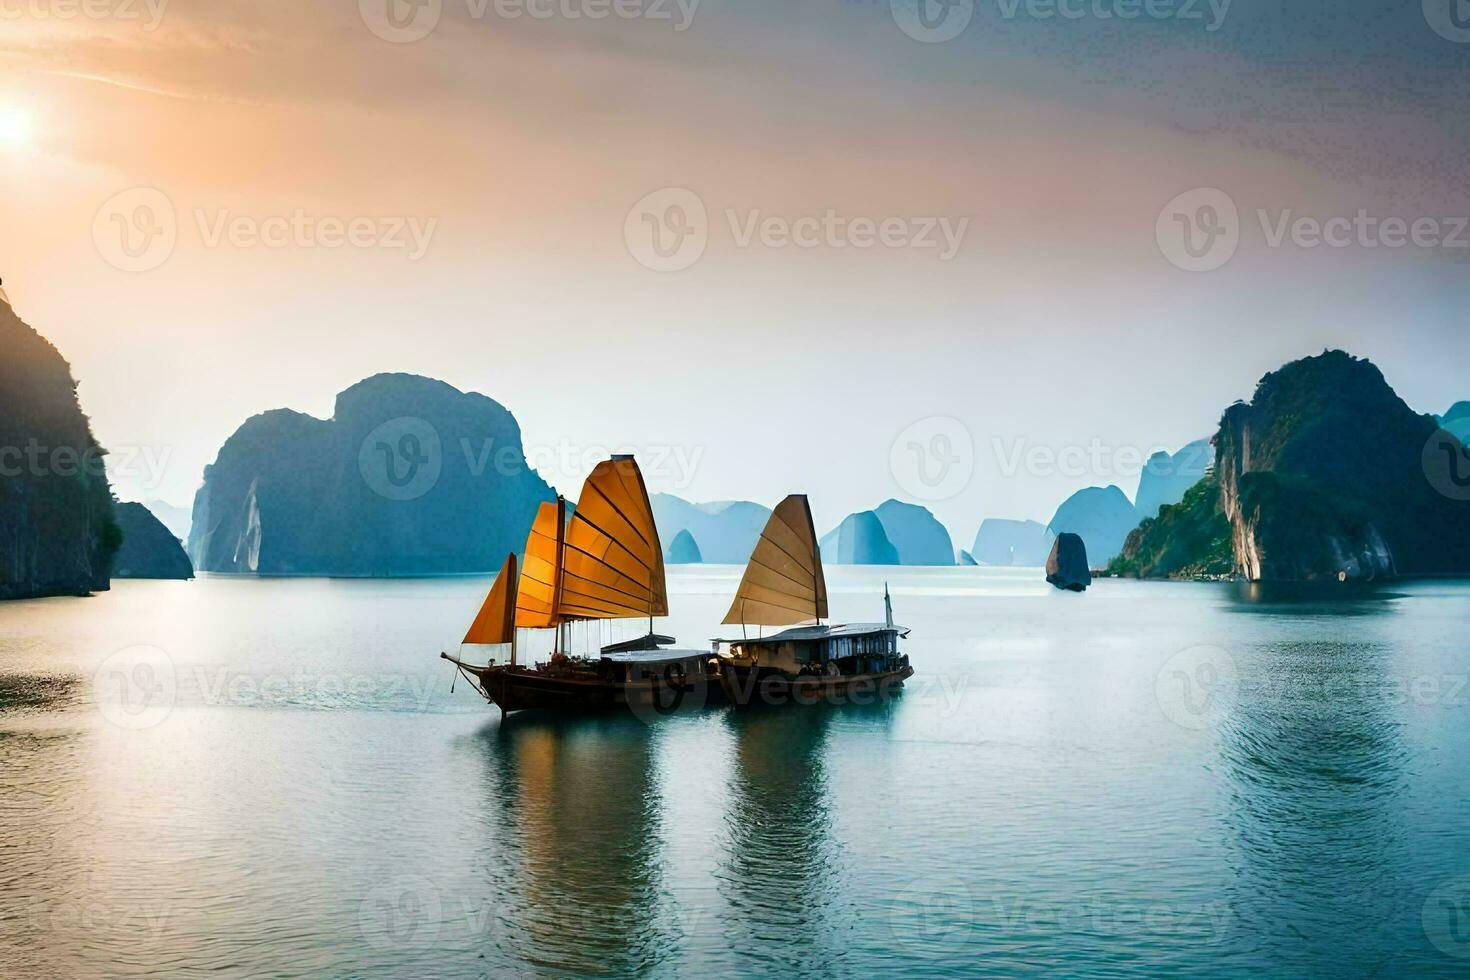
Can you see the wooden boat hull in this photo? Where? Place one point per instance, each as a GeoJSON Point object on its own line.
{"type": "Point", "coordinates": [522, 688]}
{"type": "Point", "coordinates": [746, 686]}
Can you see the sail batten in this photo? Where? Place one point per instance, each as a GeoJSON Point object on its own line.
{"type": "Point", "coordinates": [783, 582]}
{"type": "Point", "coordinates": [536, 595]}
{"type": "Point", "coordinates": [612, 561]}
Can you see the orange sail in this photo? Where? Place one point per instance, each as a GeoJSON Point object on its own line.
{"type": "Point", "coordinates": [612, 562]}
{"type": "Point", "coordinates": [783, 582]}
{"type": "Point", "coordinates": [541, 570]}
{"type": "Point", "coordinates": [496, 621]}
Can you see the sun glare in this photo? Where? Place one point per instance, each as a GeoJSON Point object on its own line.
{"type": "Point", "coordinates": [15, 127]}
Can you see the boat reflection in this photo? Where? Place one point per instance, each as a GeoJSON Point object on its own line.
{"type": "Point", "coordinates": [575, 806]}
{"type": "Point", "coordinates": [780, 877]}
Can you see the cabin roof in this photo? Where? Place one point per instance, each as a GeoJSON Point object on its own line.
{"type": "Point", "coordinates": [798, 634]}
{"type": "Point", "coordinates": [653, 656]}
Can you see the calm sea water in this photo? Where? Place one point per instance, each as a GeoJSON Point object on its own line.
{"type": "Point", "coordinates": [273, 777]}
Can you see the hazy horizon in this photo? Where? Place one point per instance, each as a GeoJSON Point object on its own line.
{"type": "Point", "coordinates": [498, 167]}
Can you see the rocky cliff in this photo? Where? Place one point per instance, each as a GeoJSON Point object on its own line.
{"type": "Point", "coordinates": [915, 533]}
{"type": "Point", "coordinates": [726, 530]}
{"type": "Point", "coordinates": [410, 476]}
{"type": "Point", "coordinates": [859, 540]}
{"type": "Point", "coordinates": [1325, 475]}
{"type": "Point", "coordinates": [176, 519]}
{"type": "Point", "coordinates": [1003, 542]}
{"type": "Point", "coordinates": [149, 549]}
{"type": "Point", "coordinates": [57, 530]}
{"type": "Point", "coordinates": [1101, 516]}
{"type": "Point", "coordinates": [1167, 476]}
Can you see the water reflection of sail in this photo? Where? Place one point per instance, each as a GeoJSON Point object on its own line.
{"type": "Point", "coordinates": [579, 805]}
{"type": "Point", "coordinates": [781, 876]}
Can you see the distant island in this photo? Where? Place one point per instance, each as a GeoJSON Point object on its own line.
{"type": "Point", "coordinates": [410, 476]}
{"type": "Point", "coordinates": [724, 532]}
{"type": "Point", "coordinates": [1324, 475]}
{"type": "Point", "coordinates": [1101, 516]}
{"type": "Point", "coordinates": [893, 533]}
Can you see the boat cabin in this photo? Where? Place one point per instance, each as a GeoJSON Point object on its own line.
{"type": "Point", "coordinates": [853, 648]}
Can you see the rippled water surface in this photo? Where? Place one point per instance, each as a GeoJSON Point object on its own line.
{"type": "Point", "coordinates": [273, 777]}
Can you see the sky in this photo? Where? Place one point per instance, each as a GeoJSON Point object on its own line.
{"type": "Point", "coordinates": [974, 255]}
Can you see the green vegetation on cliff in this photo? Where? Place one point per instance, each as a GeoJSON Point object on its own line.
{"type": "Point", "coordinates": [1190, 539]}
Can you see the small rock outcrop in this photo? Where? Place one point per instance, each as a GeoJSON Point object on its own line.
{"type": "Point", "coordinates": [726, 529]}
{"type": "Point", "coordinates": [916, 534]}
{"type": "Point", "coordinates": [410, 476]}
{"type": "Point", "coordinates": [58, 533]}
{"type": "Point", "coordinates": [683, 550]}
{"type": "Point", "coordinates": [1003, 542]}
{"type": "Point", "coordinates": [1066, 566]}
{"type": "Point", "coordinates": [1102, 516]}
{"type": "Point", "coordinates": [963, 557]}
{"type": "Point", "coordinates": [859, 540]}
{"type": "Point", "coordinates": [149, 550]}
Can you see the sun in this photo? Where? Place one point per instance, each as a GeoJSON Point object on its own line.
{"type": "Point", "coordinates": [15, 127]}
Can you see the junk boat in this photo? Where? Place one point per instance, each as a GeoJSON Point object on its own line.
{"type": "Point", "coordinates": [783, 585]}
{"type": "Point", "coordinates": [604, 562]}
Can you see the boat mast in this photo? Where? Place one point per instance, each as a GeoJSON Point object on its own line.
{"type": "Point", "coordinates": [561, 550]}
